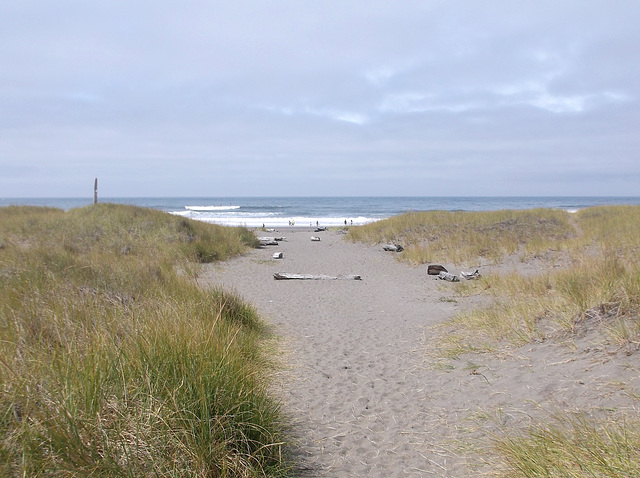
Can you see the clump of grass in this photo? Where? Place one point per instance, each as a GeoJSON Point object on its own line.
{"type": "Point", "coordinates": [114, 363]}
{"type": "Point", "coordinates": [571, 446]}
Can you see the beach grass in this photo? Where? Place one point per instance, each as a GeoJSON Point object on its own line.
{"type": "Point", "coordinates": [114, 362]}
{"type": "Point", "coordinates": [461, 237]}
{"type": "Point", "coordinates": [572, 446]}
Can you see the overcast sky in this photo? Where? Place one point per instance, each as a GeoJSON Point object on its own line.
{"type": "Point", "coordinates": [286, 98]}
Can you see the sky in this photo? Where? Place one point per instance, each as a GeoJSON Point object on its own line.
{"type": "Point", "coordinates": [330, 98]}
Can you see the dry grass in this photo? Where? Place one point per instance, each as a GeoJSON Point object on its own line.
{"type": "Point", "coordinates": [464, 237]}
{"type": "Point", "coordinates": [572, 446]}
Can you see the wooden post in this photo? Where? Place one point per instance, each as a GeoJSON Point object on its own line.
{"type": "Point", "coordinates": [95, 191]}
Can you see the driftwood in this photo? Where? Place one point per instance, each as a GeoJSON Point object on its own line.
{"type": "Point", "coordinates": [278, 255]}
{"type": "Point", "coordinates": [470, 275]}
{"type": "Point", "coordinates": [315, 238]}
{"type": "Point", "coordinates": [320, 228]}
{"type": "Point", "coordinates": [449, 277]}
{"type": "Point", "coordinates": [270, 241]}
{"type": "Point", "coordinates": [287, 276]}
{"type": "Point", "coordinates": [393, 248]}
{"type": "Point", "coordinates": [435, 269]}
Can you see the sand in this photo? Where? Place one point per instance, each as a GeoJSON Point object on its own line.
{"type": "Point", "coordinates": [364, 395]}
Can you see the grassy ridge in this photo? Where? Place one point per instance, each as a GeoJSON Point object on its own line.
{"type": "Point", "coordinates": [597, 285]}
{"type": "Point", "coordinates": [114, 363]}
{"type": "Point", "coordinates": [460, 237]}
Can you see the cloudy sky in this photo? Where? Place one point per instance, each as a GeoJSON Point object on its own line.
{"type": "Point", "coordinates": [336, 97]}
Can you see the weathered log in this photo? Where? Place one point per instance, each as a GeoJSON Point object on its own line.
{"type": "Point", "coordinates": [320, 228]}
{"type": "Point", "coordinates": [270, 239]}
{"type": "Point", "coordinates": [449, 277]}
{"type": "Point", "coordinates": [278, 255]}
{"type": "Point", "coordinates": [435, 269]}
{"type": "Point", "coordinates": [393, 247]}
{"type": "Point", "coordinates": [470, 275]}
{"type": "Point", "coordinates": [287, 276]}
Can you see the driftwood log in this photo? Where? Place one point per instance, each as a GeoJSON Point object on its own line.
{"type": "Point", "coordinates": [393, 248]}
{"type": "Point", "coordinates": [270, 241]}
{"type": "Point", "coordinates": [287, 276]}
{"type": "Point", "coordinates": [471, 275]}
{"type": "Point", "coordinates": [449, 277]}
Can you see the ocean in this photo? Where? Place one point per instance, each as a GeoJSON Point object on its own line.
{"type": "Point", "coordinates": [324, 211]}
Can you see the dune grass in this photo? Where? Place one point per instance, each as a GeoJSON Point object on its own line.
{"type": "Point", "coordinates": [572, 446]}
{"type": "Point", "coordinates": [589, 280]}
{"type": "Point", "coordinates": [461, 237]}
{"type": "Point", "coordinates": [113, 362]}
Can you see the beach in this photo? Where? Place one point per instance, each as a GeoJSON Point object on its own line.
{"type": "Point", "coordinates": [360, 384]}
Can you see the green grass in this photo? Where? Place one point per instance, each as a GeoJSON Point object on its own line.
{"type": "Point", "coordinates": [113, 362]}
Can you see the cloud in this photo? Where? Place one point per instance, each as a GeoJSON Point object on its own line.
{"type": "Point", "coordinates": [162, 98]}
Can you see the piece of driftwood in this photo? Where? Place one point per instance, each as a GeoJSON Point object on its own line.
{"type": "Point", "coordinates": [393, 247]}
{"type": "Point", "coordinates": [448, 276]}
{"type": "Point", "coordinates": [315, 238]}
{"type": "Point", "coordinates": [470, 275]}
{"type": "Point", "coordinates": [278, 255]}
{"type": "Point", "coordinates": [270, 241]}
{"type": "Point", "coordinates": [320, 228]}
{"type": "Point", "coordinates": [287, 276]}
{"type": "Point", "coordinates": [435, 269]}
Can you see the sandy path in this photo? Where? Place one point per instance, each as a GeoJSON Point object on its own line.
{"type": "Point", "coordinates": [361, 394]}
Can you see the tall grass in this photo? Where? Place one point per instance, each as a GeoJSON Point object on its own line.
{"type": "Point", "coordinates": [572, 446]}
{"type": "Point", "coordinates": [114, 363]}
